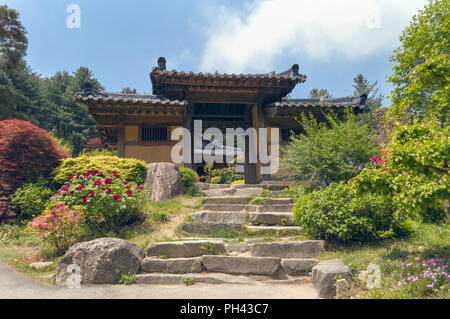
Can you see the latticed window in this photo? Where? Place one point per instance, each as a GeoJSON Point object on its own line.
{"type": "Point", "coordinates": [153, 134]}
{"type": "Point", "coordinates": [286, 133]}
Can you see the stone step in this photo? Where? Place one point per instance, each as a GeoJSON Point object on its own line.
{"type": "Point", "coordinates": [224, 207]}
{"type": "Point", "coordinates": [272, 219]}
{"type": "Point", "coordinates": [184, 249]}
{"type": "Point", "coordinates": [247, 191]}
{"type": "Point", "coordinates": [305, 249]}
{"type": "Point", "coordinates": [211, 278]}
{"type": "Point", "coordinates": [219, 217]}
{"type": "Point", "coordinates": [278, 208]}
{"type": "Point", "coordinates": [277, 201]}
{"type": "Point", "coordinates": [208, 228]}
{"type": "Point", "coordinates": [219, 192]}
{"type": "Point", "coordinates": [292, 230]}
{"type": "Point", "coordinates": [226, 200]}
{"type": "Point", "coordinates": [268, 266]}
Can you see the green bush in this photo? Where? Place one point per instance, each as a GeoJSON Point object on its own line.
{"type": "Point", "coordinates": [130, 169]}
{"type": "Point", "coordinates": [336, 214]}
{"type": "Point", "coordinates": [216, 180]}
{"type": "Point", "coordinates": [229, 175]}
{"type": "Point", "coordinates": [31, 199]}
{"type": "Point", "coordinates": [331, 152]}
{"type": "Point", "coordinates": [188, 177]}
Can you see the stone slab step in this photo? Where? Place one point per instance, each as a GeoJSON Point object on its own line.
{"type": "Point", "coordinates": [208, 228]}
{"type": "Point", "coordinates": [269, 208]}
{"type": "Point", "coordinates": [276, 229]}
{"type": "Point", "coordinates": [219, 192]}
{"type": "Point", "coordinates": [268, 266]}
{"type": "Point", "coordinates": [278, 201]}
{"type": "Point", "coordinates": [272, 219]}
{"type": "Point", "coordinates": [224, 207]}
{"type": "Point", "coordinates": [219, 217]}
{"type": "Point", "coordinates": [248, 191]}
{"type": "Point", "coordinates": [305, 249]}
{"type": "Point", "coordinates": [226, 200]}
{"type": "Point", "coordinates": [172, 265]}
{"type": "Point", "coordinates": [184, 249]}
{"type": "Point", "coordinates": [175, 279]}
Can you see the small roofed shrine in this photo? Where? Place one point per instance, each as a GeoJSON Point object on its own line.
{"type": "Point", "coordinates": [141, 126]}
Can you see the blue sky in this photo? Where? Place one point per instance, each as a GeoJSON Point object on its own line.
{"type": "Point", "coordinates": [120, 41]}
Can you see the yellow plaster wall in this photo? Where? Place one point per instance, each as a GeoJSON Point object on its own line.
{"type": "Point", "coordinates": [150, 154]}
{"type": "Point", "coordinates": [131, 133]}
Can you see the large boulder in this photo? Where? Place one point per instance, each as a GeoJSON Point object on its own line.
{"type": "Point", "coordinates": [164, 181]}
{"type": "Point", "coordinates": [100, 261]}
{"type": "Point", "coordinates": [325, 274]}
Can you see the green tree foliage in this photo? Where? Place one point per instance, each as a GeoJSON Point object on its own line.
{"type": "Point", "coordinates": [45, 102]}
{"type": "Point", "coordinates": [69, 120]}
{"type": "Point", "coordinates": [374, 100]}
{"type": "Point", "coordinates": [414, 172]}
{"type": "Point", "coordinates": [317, 93]}
{"type": "Point", "coordinates": [13, 39]}
{"type": "Point", "coordinates": [331, 152]}
{"type": "Point", "coordinates": [422, 69]}
{"type": "Point", "coordinates": [128, 90]}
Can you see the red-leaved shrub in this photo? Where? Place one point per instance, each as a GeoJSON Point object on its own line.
{"type": "Point", "coordinates": [93, 144]}
{"type": "Point", "coordinates": [25, 151]}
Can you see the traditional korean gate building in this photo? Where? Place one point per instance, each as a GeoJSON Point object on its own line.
{"type": "Point", "coordinates": [140, 126]}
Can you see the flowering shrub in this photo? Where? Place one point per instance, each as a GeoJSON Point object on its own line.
{"type": "Point", "coordinates": [422, 277]}
{"type": "Point", "coordinates": [230, 175]}
{"type": "Point", "coordinates": [58, 226]}
{"type": "Point", "coordinates": [109, 201]}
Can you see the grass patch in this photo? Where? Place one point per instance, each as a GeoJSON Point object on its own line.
{"type": "Point", "coordinates": [427, 241]}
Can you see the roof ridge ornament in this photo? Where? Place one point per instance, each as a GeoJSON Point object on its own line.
{"type": "Point", "coordinates": [162, 63]}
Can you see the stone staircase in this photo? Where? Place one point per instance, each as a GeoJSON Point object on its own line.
{"type": "Point", "coordinates": [234, 209]}
{"type": "Point", "coordinates": [221, 262]}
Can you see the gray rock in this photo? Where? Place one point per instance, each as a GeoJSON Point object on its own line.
{"type": "Point", "coordinates": [237, 247]}
{"type": "Point", "coordinates": [342, 288]}
{"type": "Point", "coordinates": [41, 265]}
{"type": "Point", "coordinates": [100, 260]}
{"type": "Point", "coordinates": [324, 276]}
{"type": "Point", "coordinates": [172, 266]}
{"type": "Point", "coordinates": [224, 207]}
{"type": "Point", "coordinates": [280, 219]}
{"type": "Point", "coordinates": [219, 279]}
{"type": "Point", "coordinates": [180, 249]}
{"type": "Point", "coordinates": [292, 281]}
{"type": "Point", "coordinates": [164, 279]}
{"type": "Point", "coordinates": [288, 230]}
{"type": "Point", "coordinates": [226, 200]}
{"type": "Point", "coordinates": [298, 267]}
{"type": "Point", "coordinates": [219, 217]}
{"type": "Point", "coordinates": [269, 208]}
{"type": "Point", "coordinates": [241, 265]}
{"type": "Point", "coordinates": [208, 228]}
{"type": "Point", "coordinates": [292, 249]}
{"type": "Point", "coordinates": [163, 180]}
{"type": "Point", "coordinates": [259, 278]}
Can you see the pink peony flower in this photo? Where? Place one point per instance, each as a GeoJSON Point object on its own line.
{"type": "Point", "coordinates": [108, 181]}
{"type": "Point", "coordinates": [129, 192]}
{"type": "Point", "coordinates": [117, 197]}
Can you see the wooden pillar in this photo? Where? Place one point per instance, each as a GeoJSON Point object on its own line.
{"type": "Point", "coordinates": [189, 125]}
{"type": "Point", "coordinates": [121, 141]}
{"type": "Point", "coordinates": [250, 168]}
{"type": "Point", "coordinates": [261, 120]}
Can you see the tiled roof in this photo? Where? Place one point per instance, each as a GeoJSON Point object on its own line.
{"type": "Point", "coordinates": [91, 95]}
{"type": "Point", "coordinates": [349, 101]}
{"type": "Point", "coordinates": [224, 76]}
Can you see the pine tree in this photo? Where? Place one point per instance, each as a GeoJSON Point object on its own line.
{"type": "Point", "coordinates": [317, 93]}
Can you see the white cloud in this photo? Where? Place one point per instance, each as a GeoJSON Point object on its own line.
{"type": "Point", "coordinates": [250, 41]}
